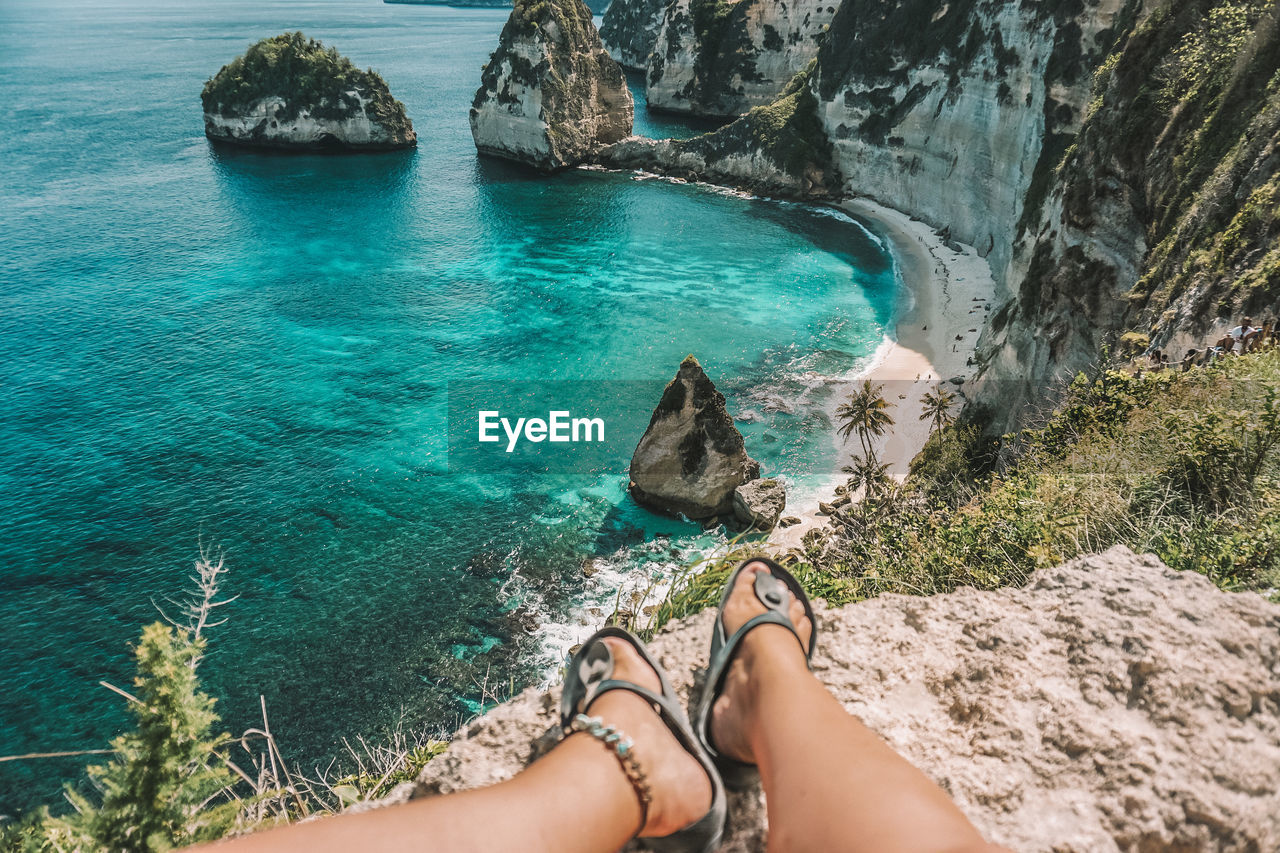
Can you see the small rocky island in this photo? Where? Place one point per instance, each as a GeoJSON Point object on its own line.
{"type": "Point", "coordinates": [693, 462]}
{"type": "Point", "coordinates": [550, 95]}
{"type": "Point", "coordinates": [291, 92]}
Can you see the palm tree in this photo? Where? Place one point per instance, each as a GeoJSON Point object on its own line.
{"type": "Point", "coordinates": [937, 408]}
{"type": "Point", "coordinates": [869, 474]}
{"type": "Point", "coordinates": [867, 414]}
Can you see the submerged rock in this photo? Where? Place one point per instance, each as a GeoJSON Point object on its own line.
{"type": "Point", "coordinates": [629, 30]}
{"type": "Point", "coordinates": [759, 503]}
{"type": "Point", "coordinates": [290, 91]}
{"type": "Point", "coordinates": [1112, 704]}
{"type": "Point", "coordinates": [692, 457]}
{"type": "Point", "coordinates": [550, 94]}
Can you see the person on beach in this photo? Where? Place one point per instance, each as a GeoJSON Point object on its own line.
{"type": "Point", "coordinates": [632, 764]}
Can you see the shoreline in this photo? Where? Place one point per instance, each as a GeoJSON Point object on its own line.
{"type": "Point", "coordinates": [949, 297]}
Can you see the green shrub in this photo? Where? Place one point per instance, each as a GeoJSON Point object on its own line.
{"type": "Point", "coordinates": [155, 793]}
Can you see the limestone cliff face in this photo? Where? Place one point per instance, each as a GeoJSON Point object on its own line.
{"type": "Point", "coordinates": [274, 122]}
{"type": "Point", "coordinates": [550, 94]}
{"type": "Point", "coordinates": [717, 58]}
{"type": "Point", "coordinates": [1109, 705]}
{"type": "Point", "coordinates": [953, 112]}
{"type": "Point", "coordinates": [291, 92]}
{"type": "Point", "coordinates": [1161, 225]}
{"type": "Point", "coordinates": [630, 28]}
{"type": "Point", "coordinates": [1115, 161]}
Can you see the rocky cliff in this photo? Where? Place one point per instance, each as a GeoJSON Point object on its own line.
{"type": "Point", "coordinates": [630, 28]}
{"type": "Point", "coordinates": [953, 111]}
{"type": "Point", "coordinates": [1110, 705]}
{"type": "Point", "coordinates": [1160, 225]}
{"type": "Point", "coordinates": [720, 58]}
{"type": "Point", "coordinates": [1115, 161]}
{"type": "Point", "coordinates": [550, 94]}
{"type": "Point", "coordinates": [291, 92]}
{"type": "Point", "coordinates": [596, 6]}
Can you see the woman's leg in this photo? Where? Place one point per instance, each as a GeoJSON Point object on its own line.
{"type": "Point", "coordinates": [576, 799]}
{"type": "Point", "coordinates": [831, 783]}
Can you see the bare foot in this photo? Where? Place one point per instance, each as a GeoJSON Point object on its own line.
{"type": "Point", "coordinates": [764, 648]}
{"type": "Point", "coordinates": [680, 787]}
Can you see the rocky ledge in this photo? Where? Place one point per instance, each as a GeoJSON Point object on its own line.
{"type": "Point", "coordinates": [291, 92]}
{"type": "Point", "coordinates": [1111, 704]}
{"type": "Point", "coordinates": [550, 95]}
{"type": "Point", "coordinates": [780, 149]}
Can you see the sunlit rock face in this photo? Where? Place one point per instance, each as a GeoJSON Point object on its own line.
{"type": "Point", "coordinates": [550, 94]}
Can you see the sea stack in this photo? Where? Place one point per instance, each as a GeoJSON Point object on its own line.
{"type": "Point", "coordinates": [550, 94]}
{"type": "Point", "coordinates": [291, 92]}
{"type": "Point", "coordinates": [692, 457]}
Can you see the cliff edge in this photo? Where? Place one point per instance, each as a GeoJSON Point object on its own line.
{"type": "Point", "coordinates": [1111, 704]}
{"type": "Point", "coordinates": [291, 92]}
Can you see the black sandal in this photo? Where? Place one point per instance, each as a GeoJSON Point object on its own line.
{"type": "Point", "coordinates": [771, 588]}
{"type": "Point", "coordinates": [590, 675]}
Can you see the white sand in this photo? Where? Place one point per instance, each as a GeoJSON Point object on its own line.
{"type": "Point", "coordinates": [949, 300]}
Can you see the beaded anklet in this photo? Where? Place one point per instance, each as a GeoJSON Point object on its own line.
{"type": "Point", "coordinates": [620, 745]}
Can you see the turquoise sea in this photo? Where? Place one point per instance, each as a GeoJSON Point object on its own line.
{"type": "Point", "coordinates": [251, 351]}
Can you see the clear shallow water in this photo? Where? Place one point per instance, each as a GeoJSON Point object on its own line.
{"type": "Point", "coordinates": [253, 349]}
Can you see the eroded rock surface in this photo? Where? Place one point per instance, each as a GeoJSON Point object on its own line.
{"type": "Point", "coordinates": [550, 94]}
{"type": "Point", "coordinates": [691, 457]}
{"type": "Point", "coordinates": [780, 149]}
{"type": "Point", "coordinates": [630, 28]}
{"type": "Point", "coordinates": [759, 503]}
{"type": "Point", "coordinates": [1110, 705]}
{"type": "Point", "coordinates": [715, 58]}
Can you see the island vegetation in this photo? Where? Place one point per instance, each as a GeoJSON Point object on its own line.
{"type": "Point", "coordinates": [305, 76]}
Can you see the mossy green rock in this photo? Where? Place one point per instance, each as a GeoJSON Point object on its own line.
{"type": "Point", "coordinates": [292, 92]}
{"type": "Point", "coordinates": [780, 149]}
{"type": "Point", "coordinates": [550, 94]}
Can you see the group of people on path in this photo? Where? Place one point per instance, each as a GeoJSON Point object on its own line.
{"type": "Point", "coordinates": [1245, 338]}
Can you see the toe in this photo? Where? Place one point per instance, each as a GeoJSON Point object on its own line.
{"type": "Point", "coordinates": [629, 666]}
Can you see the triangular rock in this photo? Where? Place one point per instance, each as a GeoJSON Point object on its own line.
{"type": "Point", "coordinates": [691, 457]}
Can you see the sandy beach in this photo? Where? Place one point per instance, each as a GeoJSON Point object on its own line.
{"type": "Point", "coordinates": [949, 298]}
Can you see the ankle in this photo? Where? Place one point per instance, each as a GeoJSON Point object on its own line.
{"type": "Point", "coordinates": [771, 649]}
